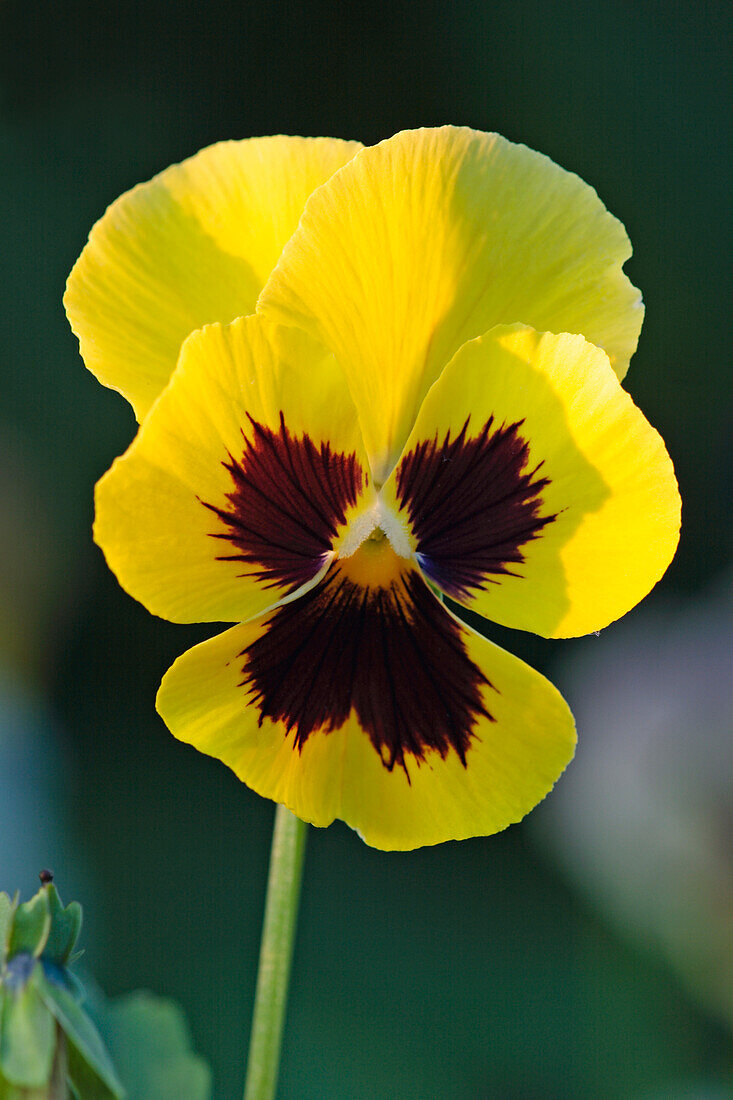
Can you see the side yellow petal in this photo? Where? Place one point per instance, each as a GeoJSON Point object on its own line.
{"type": "Point", "coordinates": [161, 509]}
{"type": "Point", "coordinates": [512, 763]}
{"type": "Point", "coordinates": [566, 515]}
{"type": "Point", "coordinates": [428, 240]}
{"type": "Point", "coordinates": [192, 246]}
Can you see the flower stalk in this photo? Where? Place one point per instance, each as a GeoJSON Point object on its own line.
{"type": "Point", "coordinates": [276, 952]}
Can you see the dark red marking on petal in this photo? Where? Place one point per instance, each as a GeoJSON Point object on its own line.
{"type": "Point", "coordinates": [473, 504]}
{"type": "Point", "coordinates": [289, 499]}
{"type": "Point", "coordinates": [392, 654]}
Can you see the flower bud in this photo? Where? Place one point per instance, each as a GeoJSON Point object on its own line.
{"type": "Point", "coordinates": [49, 1047]}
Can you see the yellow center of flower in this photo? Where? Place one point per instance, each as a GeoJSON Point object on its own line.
{"type": "Point", "coordinates": [374, 564]}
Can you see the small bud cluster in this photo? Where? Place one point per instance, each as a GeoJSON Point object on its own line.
{"type": "Point", "coordinates": [48, 1045]}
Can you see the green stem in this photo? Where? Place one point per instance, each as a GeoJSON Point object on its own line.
{"type": "Point", "coordinates": [276, 952]}
{"type": "Point", "coordinates": [58, 1089]}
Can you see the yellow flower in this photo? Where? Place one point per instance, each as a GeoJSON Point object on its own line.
{"type": "Point", "coordinates": [394, 418]}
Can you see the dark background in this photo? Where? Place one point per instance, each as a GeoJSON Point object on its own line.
{"type": "Point", "coordinates": [474, 970]}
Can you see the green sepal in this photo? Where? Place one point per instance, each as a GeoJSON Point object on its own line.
{"type": "Point", "coordinates": [27, 1035]}
{"type": "Point", "coordinates": [60, 975]}
{"type": "Point", "coordinates": [18, 971]}
{"type": "Point", "coordinates": [31, 925]}
{"type": "Point", "coordinates": [13, 1092]}
{"type": "Point", "coordinates": [83, 1081]}
{"type": "Point", "coordinates": [7, 908]}
{"type": "Point", "coordinates": [90, 1067]}
{"type": "Point", "coordinates": [65, 927]}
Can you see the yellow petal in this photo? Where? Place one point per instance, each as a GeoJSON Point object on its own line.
{"type": "Point", "coordinates": [535, 491]}
{"type": "Point", "coordinates": [301, 730]}
{"type": "Point", "coordinates": [428, 240]}
{"type": "Point", "coordinates": [231, 496]}
{"type": "Point", "coordinates": [193, 245]}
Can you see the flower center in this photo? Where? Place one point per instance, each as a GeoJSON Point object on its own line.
{"type": "Point", "coordinates": [374, 564]}
{"type": "Point", "coordinates": [380, 524]}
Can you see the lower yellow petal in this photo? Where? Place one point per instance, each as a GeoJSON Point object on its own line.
{"type": "Point", "coordinates": [193, 245]}
{"type": "Point", "coordinates": [239, 480]}
{"type": "Point", "coordinates": [521, 738]}
{"type": "Point", "coordinates": [536, 492]}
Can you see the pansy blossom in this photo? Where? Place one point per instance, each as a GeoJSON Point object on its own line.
{"type": "Point", "coordinates": [395, 422]}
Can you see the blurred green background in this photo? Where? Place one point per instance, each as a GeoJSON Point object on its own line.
{"type": "Point", "coordinates": [496, 969]}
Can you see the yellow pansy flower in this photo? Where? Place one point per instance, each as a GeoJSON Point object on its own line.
{"type": "Point", "coordinates": [423, 399]}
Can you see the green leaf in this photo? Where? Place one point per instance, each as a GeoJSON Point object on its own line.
{"type": "Point", "coordinates": [27, 1037]}
{"type": "Point", "coordinates": [31, 926]}
{"type": "Point", "coordinates": [84, 1042]}
{"type": "Point", "coordinates": [151, 1046]}
{"type": "Point", "coordinates": [65, 927]}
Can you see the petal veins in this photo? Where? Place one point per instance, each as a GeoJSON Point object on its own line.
{"type": "Point", "coordinates": [473, 502]}
{"type": "Point", "coordinates": [391, 654]}
{"type": "Point", "coordinates": [290, 498]}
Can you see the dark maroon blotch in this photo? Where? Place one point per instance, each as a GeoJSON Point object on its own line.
{"type": "Point", "coordinates": [289, 499]}
{"type": "Point", "coordinates": [473, 503]}
{"type": "Point", "coordinates": [392, 655]}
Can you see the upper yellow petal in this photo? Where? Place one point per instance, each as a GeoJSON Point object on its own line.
{"type": "Point", "coordinates": [431, 238]}
{"type": "Point", "coordinates": [192, 246]}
